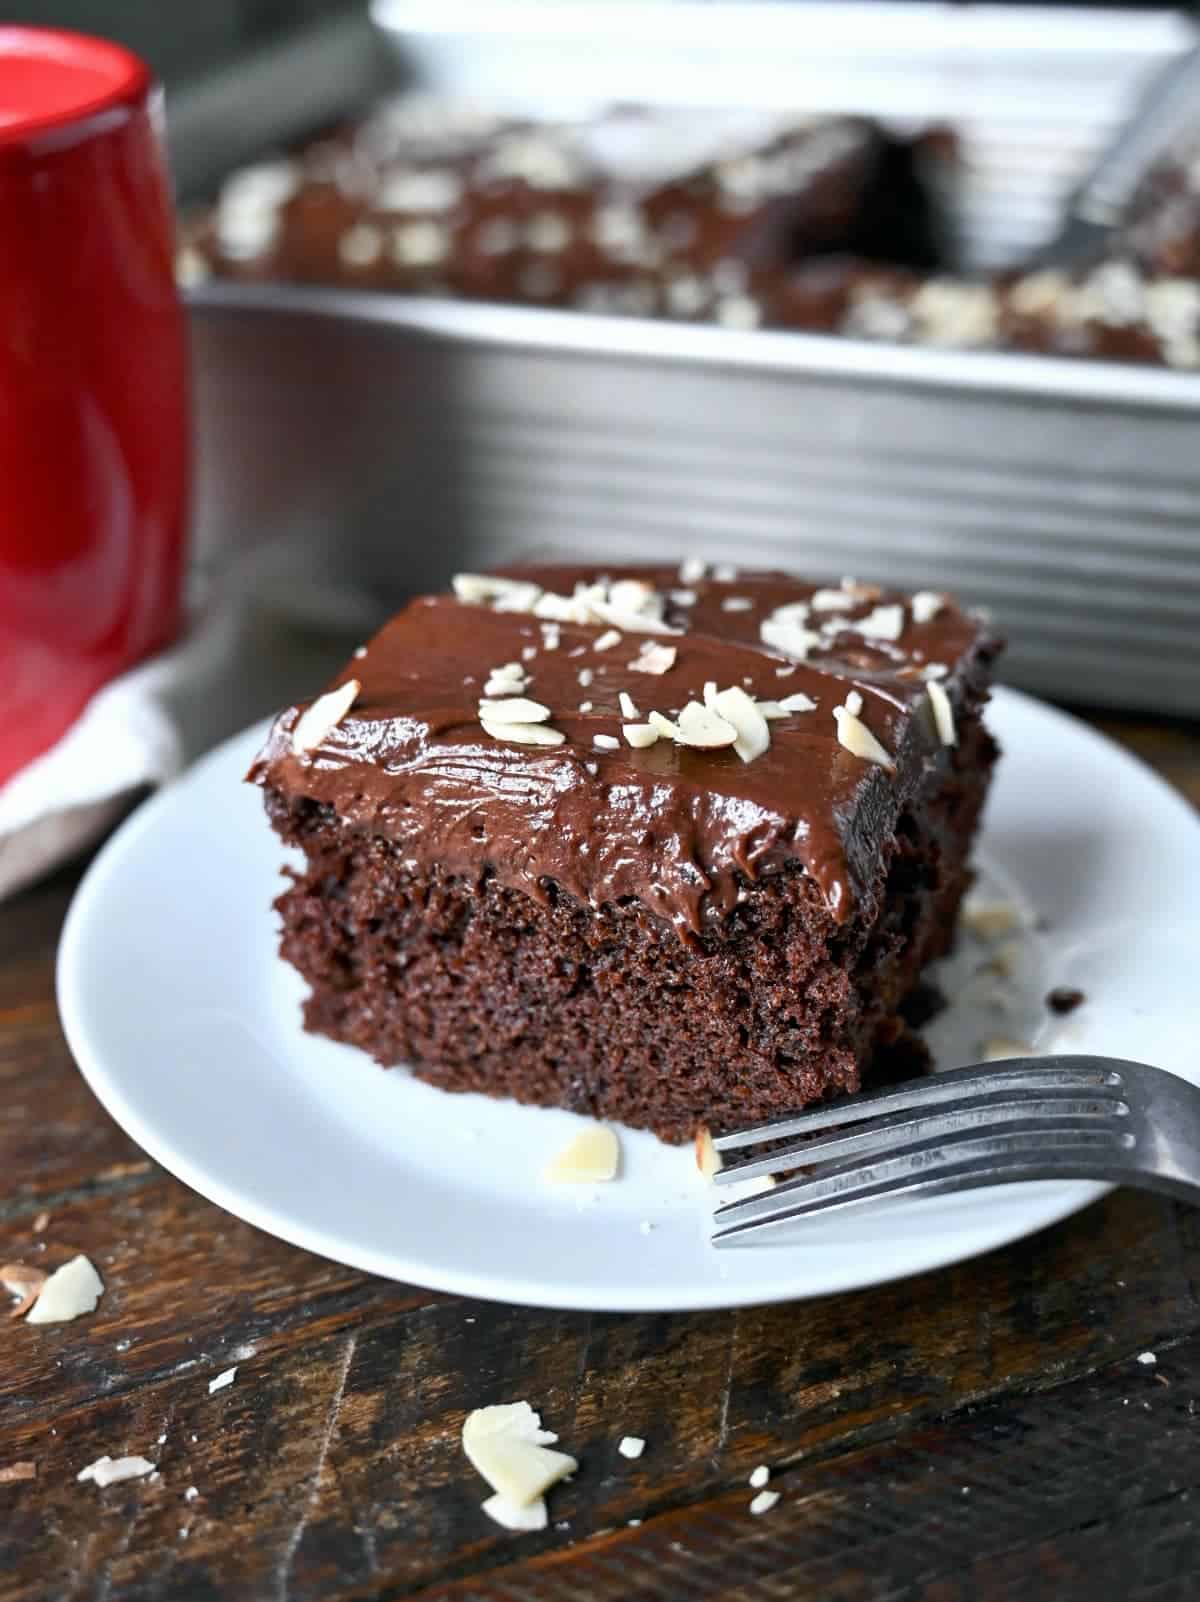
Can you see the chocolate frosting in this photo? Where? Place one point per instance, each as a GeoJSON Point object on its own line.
{"type": "Point", "coordinates": [681, 830]}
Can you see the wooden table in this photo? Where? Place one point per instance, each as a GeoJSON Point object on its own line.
{"type": "Point", "coordinates": [980, 1433]}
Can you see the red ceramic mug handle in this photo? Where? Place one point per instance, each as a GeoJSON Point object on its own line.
{"type": "Point", "coordinates": [93, 382]}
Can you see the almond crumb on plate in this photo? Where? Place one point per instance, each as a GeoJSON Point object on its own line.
{"type": "Point", "coordinates": [631, 1446]}
{"type": "Point", "coordinates": [759, 1477]}
{"type": "Point", "coordinates": [222, 1381]}
{"type": "Point", "coordinates": [708, 1158]}
{"type": "Point", "coordinates": [592, 1157]}
{"type": "Point", "coordinates": [991, 920]}
{"type": "Point", "coordinates": [1000, 1049]}
{"type": "Point", "coordinates": [764, 1502]}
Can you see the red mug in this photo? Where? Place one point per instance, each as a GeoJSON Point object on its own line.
{"type": "Point", "coordinates": [94, 426]}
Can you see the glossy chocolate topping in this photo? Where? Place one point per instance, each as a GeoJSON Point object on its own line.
{"type": "Point", "coordinates": [678, 828]}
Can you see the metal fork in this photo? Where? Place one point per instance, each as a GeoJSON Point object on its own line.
{"type": "Point", "coordinates": [988, 1124]}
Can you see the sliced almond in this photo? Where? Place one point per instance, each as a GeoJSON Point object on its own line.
{"type": "Point", "coordinates": [561, 608]}
{"type": "Point", "coordinates": [592, 1157]}
{"type": "Point", "coordinates": [708, 1158]}
{"type": "Point", "coordinates": [832, 601]}
{"type": "Point", "coordinates": [503, 685]}
{"type": "Point", "coordinates": [532, 1516]}
{"type": "Point", "coordinates": [790, 637]}
{"type": "Point", "coordinates": [630, 622]}
{"type": "Point", "coordinates": [1000, 1048]}
{"type": "Point", "coordinates": [519, 1468]}
{"type": "Point", "coordinates": [111, 1470]}
{"type": "Point", "coordinates": [990, 920]}
{"type": "Point", "coordinates": [664, 726]}
{"type": "Point", "coordinates": [703, 729]}
{"type": "Point", "coordinates": [505, 1418]}
{"type": "Point", "coordinates": [763, 1502]}
{"type": "Point", "coordinates": [640, 735]}
{"type": "Point", "coordinates": [631, 1446]}
{"type": "Point", "coordinates": [324, 715]}
{"type": "Point", "coordinates": [740, 712]}
{"type": "Point", "coordinates": [606, 641]}
{"type": "Point", "coordinates": [634, 595]}
{"type": "Point", "coordinates": [884, 623]}
{"type": "Point", "coordinates": [943, 713]}
{"type": "Point", "coordinates": [854, 734]}
{"type": "Point", "coordinates": [798, 703]}
{"type": "Point", "coordinates": [926, 604]}
{"type": "Point", "coordinates": [853, 703]}
{"type": "Point", "coordinates": [71, 1290]}
{"type": "Point", "coordinates": [655, 659]}
{"type": "Point", "coordinates": [509, 595]}
{"type": "Point", "coordinates": [523, 733]}
{"type": "Point", "coordinates": [628, 709]}
{"type": "Point", "coordinates": [515, 709]}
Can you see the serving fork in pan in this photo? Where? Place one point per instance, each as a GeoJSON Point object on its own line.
{"type": "Point", "coordinates": [1028, 1118]}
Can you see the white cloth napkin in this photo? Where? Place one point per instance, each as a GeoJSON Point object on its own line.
{"type": "Point", "coordinates": [237, 662]}
{"type": "Point", "coordinates": [130, 737]}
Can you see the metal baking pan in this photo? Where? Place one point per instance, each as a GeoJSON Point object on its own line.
{"type": "Point", "coordinates": [368, 445]}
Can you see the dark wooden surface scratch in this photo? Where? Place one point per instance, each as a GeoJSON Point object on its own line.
{"type": "Point", "coordinates": [982, 1434]}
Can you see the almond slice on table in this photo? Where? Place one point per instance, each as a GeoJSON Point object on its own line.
{"type": "Point", "coordinates": [511, 1516]}
{"type": "Point", "coordinates": [71, 1290]}
{"type": "Point", "coordinates": [507, 1445]}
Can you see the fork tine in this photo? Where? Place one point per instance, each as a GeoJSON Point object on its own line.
{"type": "Point", "coordinates": [1002, 1103]}
{"type": "Point", "coordinates": [1031, 1149]}
{"type": "Point", "coordinates": [1042, 1073]}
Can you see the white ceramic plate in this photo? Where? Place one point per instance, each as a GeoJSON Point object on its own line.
{"type": "Point", "coordinates": [186, 1025]}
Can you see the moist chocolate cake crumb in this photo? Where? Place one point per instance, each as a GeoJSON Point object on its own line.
{"type": "Point", "coordinates": [669, 937]}
{"type": "Point", "coordinates": [1063, 999]}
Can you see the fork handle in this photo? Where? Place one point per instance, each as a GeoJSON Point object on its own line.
{"type": "Point", "coordinates": [753, 1221]}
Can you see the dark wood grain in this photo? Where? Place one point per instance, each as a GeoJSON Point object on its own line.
{"type": "Point", "coordinates": [985, 1432]}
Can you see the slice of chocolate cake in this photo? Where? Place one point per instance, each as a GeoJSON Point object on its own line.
{"type": "Point", "coordinates": [666, 847]}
